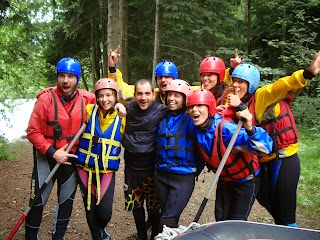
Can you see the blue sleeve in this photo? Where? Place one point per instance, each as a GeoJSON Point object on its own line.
{"type": "Point", "coordinates": [205, 137]}
{"type": "Point", "coordinates": [259, 143]}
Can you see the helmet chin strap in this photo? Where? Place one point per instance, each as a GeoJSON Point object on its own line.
{"type": "Point", "coordinates": [207, 123]}
{"type": "Point", "coordinates": [204, 124]}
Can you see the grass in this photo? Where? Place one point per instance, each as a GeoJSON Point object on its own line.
{"type": "Point", "coordinates": [6, 150]}
{"type": "Point", "coordinates": [309, 183]}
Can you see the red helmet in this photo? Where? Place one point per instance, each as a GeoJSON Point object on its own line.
{"type": "Point", "coordinates": [213, 65]}
{"type": "Point", "coordinates": [202, 97]}
{"type": "Point", "coordinates": [179, 85]}
{"type": "Point", "coordinates": [106, 83]}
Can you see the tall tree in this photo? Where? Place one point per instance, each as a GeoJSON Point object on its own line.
{"type": "Point", "coordinates": [113, 24]}
{"type": "Point", "coordinates": [106, 31]}
{"type": "Point", "coordinates": [123, 39]}
{"type": "Point", "coordinates": [157, 38]}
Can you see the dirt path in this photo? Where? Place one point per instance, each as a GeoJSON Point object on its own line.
{"type": "Point", "coordinates": [14, 195]}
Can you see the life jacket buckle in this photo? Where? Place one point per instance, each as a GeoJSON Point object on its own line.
{"type": "Point", "coordinates": [96, 139]}
{"type": "Point", "coordinates": [57, 129]}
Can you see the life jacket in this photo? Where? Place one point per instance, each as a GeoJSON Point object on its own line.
{"type": "Point", "coordinates": [99, 151]}
{"type": "Point", "coordinates": [174, 147]}
{"type": "Point", "coordinates": [238, 166]}
{"type": "Point", "coordinates": [221, 99]}
{"type": "Point", "coordinates": [158, 97]}
{"type": "Point", "coordinates": [62, 126]}
{"type": "Point", "coordinates": [282, 129]}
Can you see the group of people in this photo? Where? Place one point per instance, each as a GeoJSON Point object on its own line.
{"type": "Point", "coordinates": [169, 134]}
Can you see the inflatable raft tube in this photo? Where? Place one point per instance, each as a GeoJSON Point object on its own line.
{"type": "Point", "coordinates": [242, 230]}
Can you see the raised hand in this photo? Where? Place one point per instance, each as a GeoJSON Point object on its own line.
{"type": "Point", "coordinates": [113, 57]}
{"type": "Point", "coordinates": [315, 64]}
{"type": "Point", "coordinates": [234, 99]}
{"type": "Point", "coordinates": [236, 60]}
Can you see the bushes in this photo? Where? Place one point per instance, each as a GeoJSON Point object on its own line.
{"type": "Point", "coordinates": [5, 149]}
{"type": "Point", "coordinates": [309, 183]}
{"type": "Point", "coordinates": [306, 111]}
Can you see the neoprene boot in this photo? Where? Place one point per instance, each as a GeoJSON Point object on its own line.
{"type": "Point", "coordinates": [105, 234]}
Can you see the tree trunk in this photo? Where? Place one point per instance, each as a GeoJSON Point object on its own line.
{"type": "Point", "coordinates": [104, 29]}
{"type": "Point", "coordinates": [157, 38]}
{"type": "Point", "coordinates": [113, 24]}
{"type": "Point", "coordinates": [95, 53]}
{"type": "Point", "coordinates": [123, 40]}
{"type": "Point", "coordinates": [249, 27]}
{"type": "Point", "coordinates": [284, 29]}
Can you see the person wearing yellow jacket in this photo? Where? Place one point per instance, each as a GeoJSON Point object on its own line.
{"type": "Point", "coordinates": [270, 108]}
{"type": "Point", "coordinates": [98, 157]}
{"type": "Point", "coordinates": [213, 73]}
{"type": "Point", "coordinates": [165, 72]}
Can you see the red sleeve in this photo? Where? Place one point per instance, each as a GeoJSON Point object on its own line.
{"type": "Point", "coordinates": [89, 97]}
{"type": "Point", "coordinates": [37, 125]}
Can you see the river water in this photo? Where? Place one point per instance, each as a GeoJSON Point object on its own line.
{"type": "Point", "coordinates": [16, 122]}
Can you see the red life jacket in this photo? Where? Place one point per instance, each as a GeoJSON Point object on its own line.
{"type": "Point", "coordinates": [62, 126]}
{"type": "Point", "coordinates": [282, 128]}
{"type": "Point", "coordinates": [220, 100]}
{"type": "Point", "coordinates": [238, 166]}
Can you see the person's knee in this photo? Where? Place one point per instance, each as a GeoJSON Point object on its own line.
{"type": "Point", "coordinates": [105, 217]}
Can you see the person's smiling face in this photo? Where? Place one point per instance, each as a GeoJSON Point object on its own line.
{"type": "Point", "coordinates": [199, 114]}
{"type": "Point", "coordinates": [174, 100]}
{"type": "Point", "coordinates": [143, 95]}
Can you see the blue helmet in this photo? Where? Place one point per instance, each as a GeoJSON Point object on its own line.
{"type": "Point", "coordinates": [69, 65]}
{"type": "Point", "coordinates": [166, 68]}
{"type": "Point", "coordinates": [250, 73]}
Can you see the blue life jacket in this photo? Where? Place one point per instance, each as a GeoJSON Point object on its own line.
{"type": "Point", "coordinates": [175, 145]}
{"type": "Point", "coordinates": [100, 150]}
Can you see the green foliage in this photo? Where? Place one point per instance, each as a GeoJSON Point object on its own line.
{"type": "Point", "coordinates": [309, 154]}
{"type": "Point", "coordinates": [306, 111]}
{"type": "Point", "coordinates": [286, 33]}
{"type": "Point", "coordinates": [21, 63]}
{"type": "Point", "coordinates": [196, 29]}
{"type": "Point", "coordinates": [4, 5]}
{"type": "Point", "coordinates": [34, 35]}
{"type": "Point", "coordinates": [5, 149]}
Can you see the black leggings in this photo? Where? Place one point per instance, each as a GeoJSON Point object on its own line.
{"type": "Point", "coordinates": [278, 192]}
{"type": "Point", "coordinates": [66, 180]}
{"type": "Point", "coordinates": [99, 215]}
{"type": "Point", "coordinates": [234, 200]}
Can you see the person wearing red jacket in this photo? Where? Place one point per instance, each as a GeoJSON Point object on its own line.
{"type": "Point", "coordinates": [57, 116]}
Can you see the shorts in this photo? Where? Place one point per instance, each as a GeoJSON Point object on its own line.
{"type": "Point", "coordinates": [139, 186]}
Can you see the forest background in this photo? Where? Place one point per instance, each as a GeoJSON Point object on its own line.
{"type": "Point", "coordinates": [279, 36]}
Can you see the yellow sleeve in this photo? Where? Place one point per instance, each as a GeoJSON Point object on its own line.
{"type": "Point", "coordinates": [193, 88]}
{"type": "Point", "coordinates": [123, 125]}
{"type": "Point", "coordinates": [227, 78]}
{"type": "Point", "coordinates": [89, 108]}
{"type": "Point", "coordinates": [126, 90]}
{"type": "Point", "coordinates": [269, 95]}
